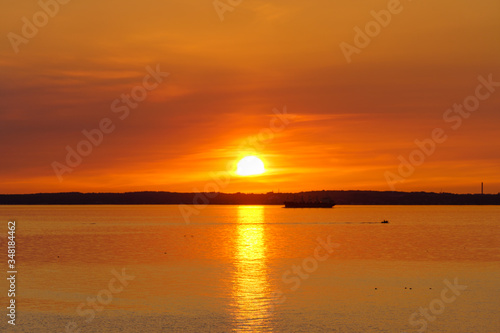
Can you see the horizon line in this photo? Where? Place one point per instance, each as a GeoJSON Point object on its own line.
{"type": "Point", "coordinates": [258, 193]}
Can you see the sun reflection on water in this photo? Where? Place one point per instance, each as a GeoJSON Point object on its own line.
{"type": "Point", "coordinates": [251, 289]}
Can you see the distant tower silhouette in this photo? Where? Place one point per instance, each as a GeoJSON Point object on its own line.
{"type": "Point", "coordinates": [482, 188]}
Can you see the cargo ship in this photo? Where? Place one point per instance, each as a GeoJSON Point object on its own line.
{"type": "Point", "coordinates": [308, 204]}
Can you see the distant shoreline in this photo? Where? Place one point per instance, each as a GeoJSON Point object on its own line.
{"type": "Point", "coordinates": [271, 198]}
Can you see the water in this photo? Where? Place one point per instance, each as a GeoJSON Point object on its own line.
{"type": "Point", "coordinates": [255, 269]}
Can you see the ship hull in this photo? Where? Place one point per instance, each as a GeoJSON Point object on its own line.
{"type": "Point", "coordinates": [293, 204]}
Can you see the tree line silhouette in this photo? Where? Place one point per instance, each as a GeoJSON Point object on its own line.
{"type": "Point", "coordinates": [270, 198]}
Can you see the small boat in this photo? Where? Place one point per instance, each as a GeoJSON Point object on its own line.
{"type": "Point", "coordinates": [308, 204]}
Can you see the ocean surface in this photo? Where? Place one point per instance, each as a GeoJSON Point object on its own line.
{"type": "Point", "coordinates": [254, 269]}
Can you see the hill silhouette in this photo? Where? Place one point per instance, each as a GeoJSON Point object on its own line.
{"type": "Point", "coordinates": [271, 198]}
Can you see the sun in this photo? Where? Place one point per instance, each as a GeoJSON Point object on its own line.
{"type": "Point", "coordinates": [250, 166]}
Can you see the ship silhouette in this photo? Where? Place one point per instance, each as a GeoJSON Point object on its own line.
{"type": "Point", "coordinates": [309, 204]}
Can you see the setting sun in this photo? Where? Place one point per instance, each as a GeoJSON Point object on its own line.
{"type": "Point", "coordinates": [250, 166]}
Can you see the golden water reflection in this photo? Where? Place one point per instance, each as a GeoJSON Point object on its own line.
{"type": "Point", "coordinates": [251, 288]}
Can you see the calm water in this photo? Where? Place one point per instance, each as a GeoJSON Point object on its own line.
{"type": "Point", "coordinates": [255, 269]}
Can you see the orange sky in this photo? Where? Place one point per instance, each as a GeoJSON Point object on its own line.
{"type": "Point", "coordinates": [349, 122]}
